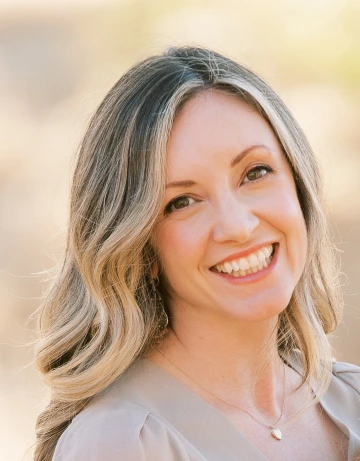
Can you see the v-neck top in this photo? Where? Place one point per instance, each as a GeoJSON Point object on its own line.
{"type": "Point", "coordinates": [149, 415]}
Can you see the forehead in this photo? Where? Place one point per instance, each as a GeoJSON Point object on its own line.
{"type": "Point", "coordinates": [215, 124]}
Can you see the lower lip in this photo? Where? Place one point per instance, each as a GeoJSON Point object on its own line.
{"type": "Point", "coordinates": [252, 278]}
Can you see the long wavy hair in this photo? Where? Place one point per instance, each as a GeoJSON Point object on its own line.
{"type": "Point", "coordinates": [99, 315]}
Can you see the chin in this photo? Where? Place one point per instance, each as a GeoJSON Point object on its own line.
{"type": "Point", "coordinates": [262, 309]}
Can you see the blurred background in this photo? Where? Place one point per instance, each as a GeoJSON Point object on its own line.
{"type": "Point", "coordinates": [57, 61]}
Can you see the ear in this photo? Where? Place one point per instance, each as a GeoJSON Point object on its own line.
{"type": "Point", "coordinates": [154, 271]}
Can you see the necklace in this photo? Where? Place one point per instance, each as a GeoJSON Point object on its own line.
{"type": "Point", "coordinates": [274, 428]}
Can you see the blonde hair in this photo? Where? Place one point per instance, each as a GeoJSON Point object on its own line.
{"type": "Point", "coordinates": [98, 316]}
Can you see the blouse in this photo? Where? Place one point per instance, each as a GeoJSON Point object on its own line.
{"type": "Point", "coordinates": [149, 415]}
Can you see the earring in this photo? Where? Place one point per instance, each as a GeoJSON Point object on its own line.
{"type": "Point", "coordinates": [161, 314]}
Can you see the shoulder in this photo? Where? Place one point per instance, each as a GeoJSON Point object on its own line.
{"type": "Point", "coordinates": [342, 399]}
{"type": "Point", "coordinates": [347, 374]}
{"type": "Point", "coordinates": [102, 432]}
{"type": "Point", "coordinates": [117, 430]}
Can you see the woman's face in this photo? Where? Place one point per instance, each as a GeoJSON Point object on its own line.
{"type": "Point", "coordinates": [232, 237]}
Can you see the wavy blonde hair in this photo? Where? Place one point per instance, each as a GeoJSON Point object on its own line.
{"type": "Point", "coordinates": [98, 316]}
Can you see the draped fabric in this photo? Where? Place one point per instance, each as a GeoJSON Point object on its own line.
{"type": "Point", "coordinates": [148, 415]}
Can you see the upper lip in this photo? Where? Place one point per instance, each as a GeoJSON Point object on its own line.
{"type": "Point", "coordinates": [242, 254]}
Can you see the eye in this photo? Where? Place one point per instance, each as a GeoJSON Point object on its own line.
{"type": "Point", "coordinates": [257, 173]}
{"type": "Point", "coordinates": [179, 203]}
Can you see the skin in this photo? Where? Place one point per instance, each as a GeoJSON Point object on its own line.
{"type": "Point", "coordinates": [222, 331]}
{"type": "Point", "coordinates": [227, 212]}
{"type": "Point", "coordinates": [215, 321]}
{"type": "Point", "coordinates": [222, 214]}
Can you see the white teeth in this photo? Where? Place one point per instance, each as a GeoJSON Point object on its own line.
{"type": "Point", "coordinates": [235, 266]}
{"type": "Point", "coordinates": [253, 260]}
{"type": "Point", "coordinates": [244, 264]}
{"type": "Point", "coordinates": [267, 250]}
{"type": "Point", "coordinates": [228, 267]}
{"type": "Point", "coordinates": [248, 265]}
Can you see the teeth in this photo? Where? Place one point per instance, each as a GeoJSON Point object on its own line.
{"type": "Point", "coordinates": [267, 251]}
{"type": "Point", "coordinates": [228, 267]}
{"type": "Point", "coordinates": [248, 265]}
{"type": "Point", "coordinates": [253, 260]}
{"type": "Point", "coordinates": [235, 266]}
{"type": "Point", "coordinates": [244, 264]}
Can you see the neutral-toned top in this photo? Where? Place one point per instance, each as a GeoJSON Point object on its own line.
{"type": "Point", "coordinates": [148, 415]}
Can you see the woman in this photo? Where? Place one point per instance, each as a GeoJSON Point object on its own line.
{"type": "Point", "coordinates": [190, 316]}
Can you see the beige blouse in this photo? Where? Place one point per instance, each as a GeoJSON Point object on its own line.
{"type": "Point", "coordinates": [148, 415]}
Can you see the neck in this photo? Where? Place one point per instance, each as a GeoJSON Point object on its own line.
{"type": "Point", "coordinates": [237, 361]}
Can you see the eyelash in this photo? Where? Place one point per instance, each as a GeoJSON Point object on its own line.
{"type": "Point", "coordinates": [267, 168]}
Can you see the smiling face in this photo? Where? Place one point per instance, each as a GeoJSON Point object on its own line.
{"type": "Point", "coordinates": [232, 238]}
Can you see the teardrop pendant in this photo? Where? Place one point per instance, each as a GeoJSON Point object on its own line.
{"type": "Point", "coordinates": [276, 433]}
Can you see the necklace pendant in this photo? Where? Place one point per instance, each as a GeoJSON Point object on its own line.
{"type": "Point", "coordinates": [276, 433]}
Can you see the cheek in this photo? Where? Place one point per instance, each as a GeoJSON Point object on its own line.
{"type": "Point", "coordinates": [287, 217]}
{"type": "Point", "coordinates": [180, 243]}
{"type": "Point", "coordinates": [287, 214]}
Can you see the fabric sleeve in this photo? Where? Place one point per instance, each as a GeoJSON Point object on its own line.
{"type": "Point", "coordinates": [125, 433]}
{"type": "Point", "coordinates": [348, 373]}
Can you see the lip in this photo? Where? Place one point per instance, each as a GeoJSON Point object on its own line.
{"type": "Point", "coordinates": [251, 278]}
{"type": "Point", "coordinates": [245, 253]}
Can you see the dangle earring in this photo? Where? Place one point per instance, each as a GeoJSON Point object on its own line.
{"type": "Point", "coordinates": [161, 314]}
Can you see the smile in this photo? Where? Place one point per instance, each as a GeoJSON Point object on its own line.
{"type": "Point", "coordinates": [250, 264]}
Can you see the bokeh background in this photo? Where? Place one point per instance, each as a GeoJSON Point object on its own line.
{"type": "Point", "coordinates": [57, 61]}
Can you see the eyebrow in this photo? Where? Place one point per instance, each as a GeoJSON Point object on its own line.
{"type": "Point", "coordinates": [242, 154]}
{"type": "Point", "coordinates": [234, 161]}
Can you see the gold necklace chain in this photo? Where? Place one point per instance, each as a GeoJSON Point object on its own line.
{"type": "Point", "coordinates": [274, 429]}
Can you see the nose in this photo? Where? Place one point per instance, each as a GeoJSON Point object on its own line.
{"type": "Point", "coordinates": [234, 221]}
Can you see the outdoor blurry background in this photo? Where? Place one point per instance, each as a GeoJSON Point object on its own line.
{"type": "Point", "coordinates": [57, 61]}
